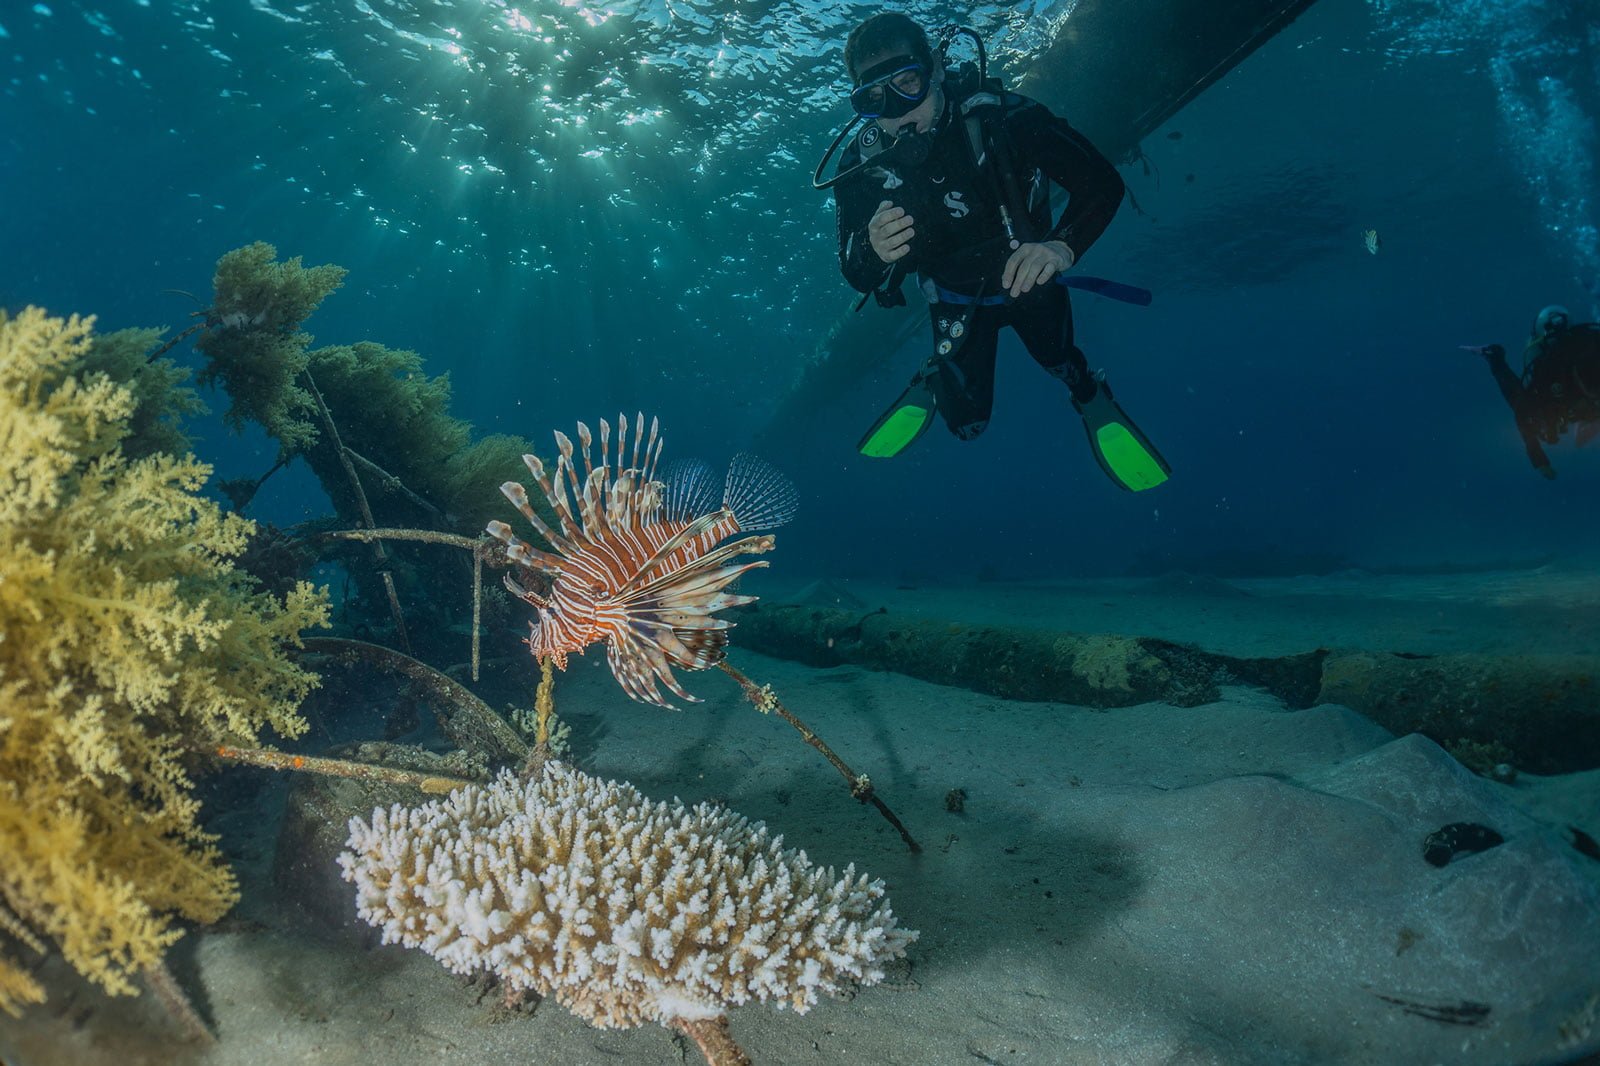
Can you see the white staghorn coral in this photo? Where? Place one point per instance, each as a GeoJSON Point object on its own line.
{"type": "Point", "coordinates": [622, 909]}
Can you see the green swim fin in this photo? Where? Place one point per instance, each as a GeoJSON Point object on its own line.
{"type": "Point", "coordinates": [1121, 449]}
{"type": "Point", "coordinates": [899, 426]}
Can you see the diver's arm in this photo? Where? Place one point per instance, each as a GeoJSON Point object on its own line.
{"type": "Point", "coordinates": [1094, 188]}
{"type": "Point", "coordinates": [857, 261]}
{"type": "Point", "coordinates": [1517, 397]}
{"type": "Point", "coordinates": [1510, 385]}
{"type": "Point", "coordinates": [856, 203]}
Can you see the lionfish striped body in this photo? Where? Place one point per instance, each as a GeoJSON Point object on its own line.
{"type": "Point", "coordinates": [635, 560]}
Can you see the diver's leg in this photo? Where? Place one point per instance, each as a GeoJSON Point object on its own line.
{"type": "Point", "coordinates": [1043, 322]}
{"type": "Point", "coordinates": [963, 380]}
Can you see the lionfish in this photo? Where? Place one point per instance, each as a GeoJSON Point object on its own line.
{"type": "Point", "coordinates": [639, 566]}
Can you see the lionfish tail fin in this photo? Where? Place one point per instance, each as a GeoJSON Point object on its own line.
{"type": "Point", "coordinates": [758, 494]}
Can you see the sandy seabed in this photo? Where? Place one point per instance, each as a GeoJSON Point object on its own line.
{"type": "Point", "coordinates": [1236, 882]}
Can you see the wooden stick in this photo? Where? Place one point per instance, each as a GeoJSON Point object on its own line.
{"type": "Point", "coordinates": [424, 536]}
{"type": "Point", "coordinates": [767, 702]}
{"type": "Point", "coordinates": [392, 483]}
{"type": "Point", "coordinates": [366, 510]}
{"type": "Point", "coordinates": [477, 609]}
{"type": "Point", "coordinates": [267, 758]}
{"type": "Point", "coordinates": [173, 343]}
{"type": "Point", "coordinates": [483, 549]}
{"type": "Point", "coordinates": [159, 980]}
{"type": "Point", "coordinates": [544, 704]}
{"type": "Point", "coordinates": [713, 1038]}
{"type": "Point", "coordinates": [544, 707]}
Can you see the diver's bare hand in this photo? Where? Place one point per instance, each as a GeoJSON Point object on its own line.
{"type": "Point", "coordinates": [1035, 264]}
{"type": "Point", "coordinates": [890, 232]}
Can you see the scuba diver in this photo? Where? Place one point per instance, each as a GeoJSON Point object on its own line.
{"type": "Point", "coordinates": [1559, 386]}
{"type": "Point", "coordinates": [949, 180]}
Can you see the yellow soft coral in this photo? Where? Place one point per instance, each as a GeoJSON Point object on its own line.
{"type": "Point", "coordinates": [127, 639]}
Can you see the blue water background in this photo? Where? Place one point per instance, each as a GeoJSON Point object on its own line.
{"type": "Point", "coordinates": [577, 209]}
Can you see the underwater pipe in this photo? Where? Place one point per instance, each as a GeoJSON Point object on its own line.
{"type": "Point", "coordinates": [1544, 708]}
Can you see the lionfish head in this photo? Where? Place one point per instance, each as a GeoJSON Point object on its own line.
{"type": "Point", "coordinates": [639, 557]}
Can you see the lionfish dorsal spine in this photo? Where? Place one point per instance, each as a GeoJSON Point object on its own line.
{"type": "Point", "coordinates": [650, 447]}
{"type": "Point", "coordinates": [596, 523]}
{"type": "Point", "coordinates": [654, 463]}
{"type": "Point", "coordinates": [622, 441]}
{"type": "Point", "coordinates": [605, 443]}
{"type": "Point", "coordinates": [567, 473]}
{"type": "Point", "coordinates": [570, 533]}
{"type": "Point", "coordinates": [650, 501]}
{"type": "Point", "coordinates": [620, 501]}
{"type": "Point", "coordinates": [584, 438]}
{"type": "Point", "coordinates": [513, 491]}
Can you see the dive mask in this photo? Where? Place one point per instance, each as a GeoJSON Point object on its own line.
{"type": "Point", "coordinates": [891, 89]}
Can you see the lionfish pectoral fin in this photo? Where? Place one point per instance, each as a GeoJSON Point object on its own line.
{"type": "Point", "coordinates": [684, 577]}
{"type": "Point", "coordinates": [592, 504]}
{"type": "Point", "coordinates": [725, 600]}
{"type": "Point", "coordinates": [671, 646]}
{"type": "Point", "coordinates": [708, 646]}
{"type": "Point", "coordinates": [638, 663]}
{"type": "Point", "coordinates": [694, 589]}
{"type": "Point", "coordinates": [691, 620]}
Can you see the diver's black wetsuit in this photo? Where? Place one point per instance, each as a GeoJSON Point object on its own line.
{"type": "Point", "coordinates": [961, 246]}
{"type": "Point", "coordinates": [1559, 388]}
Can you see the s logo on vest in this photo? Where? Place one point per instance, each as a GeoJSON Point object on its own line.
{"type": "Point", "coordinates": [958, 207]}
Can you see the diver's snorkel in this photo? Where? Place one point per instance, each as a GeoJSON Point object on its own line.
{"type": "Point", "coordinates": [911, 148]}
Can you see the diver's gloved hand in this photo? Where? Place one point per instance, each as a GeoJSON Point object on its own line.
{"type": "Point", "coordinates": [1035, 264]}
{"type": "Point", "coordinates": [890, 232]}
